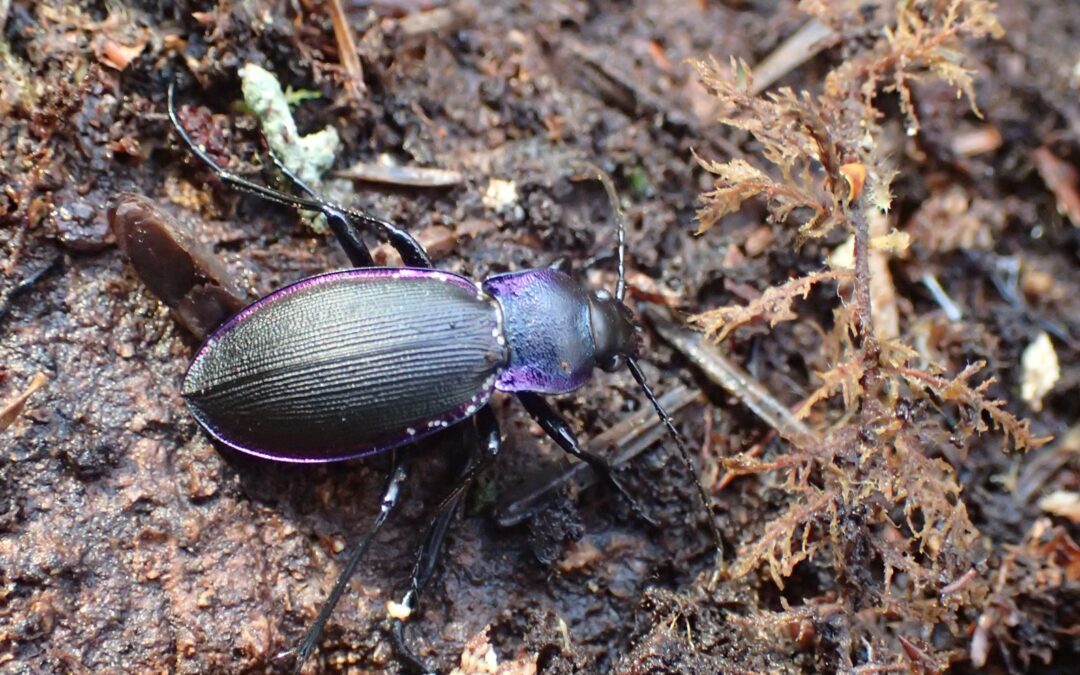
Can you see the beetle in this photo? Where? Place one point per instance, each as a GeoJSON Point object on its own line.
{"type": "Point", "coordinates": [367, 360]}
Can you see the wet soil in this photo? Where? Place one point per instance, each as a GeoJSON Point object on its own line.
{"type": "Point", "coordinates": [130, 543]}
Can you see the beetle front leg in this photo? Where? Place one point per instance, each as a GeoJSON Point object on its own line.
{"type": "Point", "coordinates": [559, 430]}
{"type": "Point", "coordinates": [391, 494]}
{"type": "Point", "coordinates": [428, 554]}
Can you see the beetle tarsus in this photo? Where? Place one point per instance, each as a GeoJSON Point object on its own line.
{"type": "Point", "coordinates": [405, 655]}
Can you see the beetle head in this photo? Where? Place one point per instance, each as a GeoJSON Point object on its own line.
{"type": "Point", "coordinates": [614, 332]}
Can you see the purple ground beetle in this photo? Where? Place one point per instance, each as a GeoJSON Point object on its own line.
{"type": "Point", "coordinates": [367, 360]}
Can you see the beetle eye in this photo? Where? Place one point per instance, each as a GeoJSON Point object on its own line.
{"type": "Point", "coordinates": [603, 295]}
{"type": "Point", "coordinates": [613, 364]}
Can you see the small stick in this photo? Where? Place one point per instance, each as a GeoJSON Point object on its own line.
{"type": "Point", "coordinates": [409, 176]}
{"type": "Point", "coordinates": [732, 378]}
{"type": "Point", "coordinates": [11, 410]}
{"type": "Point", "coordinates": [952, 311]}
{"type": "Point", "coordinates": [8, 296]}
{"type": "Point", "coordinates": [803, 45]}
{"type": "Point", "coordinates": [350, 58]}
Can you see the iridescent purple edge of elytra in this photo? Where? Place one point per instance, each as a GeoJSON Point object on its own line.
{"type": "Point", "coordinates": [453, 417]}
{"type": "Point", "coordinates": [329, 277]}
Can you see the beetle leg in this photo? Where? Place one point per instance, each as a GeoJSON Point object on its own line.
{"type": "Point", "coordinates": [423, 568]}
{"type": "Point", "coordinates": [346, 232]}
{"type": "Point", "coordinates": [560, 432]}
{"type": "Point", "coordinates": [228, 177]}
{"type": "Point", "coordinates": [410, 250]}
{"type": "Point", "coordinates": [428, 554]}
{"type": "Point", "coordinates": [398, 474]}
{"type": "Point", "coordinates": [344, 221]}
{"type": "Point", "coordinates": [348, 235]}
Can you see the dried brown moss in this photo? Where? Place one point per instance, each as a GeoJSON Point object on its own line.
{"type": "Point", "coordinates": [871, 507]}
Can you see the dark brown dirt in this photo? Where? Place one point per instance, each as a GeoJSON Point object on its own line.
{"type": "Point", "coordinates": [129, 543]}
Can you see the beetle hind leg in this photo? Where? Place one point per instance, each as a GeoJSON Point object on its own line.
{"type": "Point", "coordinates": [346, 223]}
{"type": "Point", "coordinates": [428, 554]}
{"type": "Point", "coordinates": [347, 233]}
{"type": "Point", "coordinates": [391, 495]}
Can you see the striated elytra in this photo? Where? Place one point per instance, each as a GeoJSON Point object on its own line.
{"type": "Point", "coordinates": [352, 363]}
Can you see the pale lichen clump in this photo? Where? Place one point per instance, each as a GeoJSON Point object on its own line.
{"type": "Point", "coordinates": [875, 485]}
{"type": "Point", "coordinates": [310, 156]}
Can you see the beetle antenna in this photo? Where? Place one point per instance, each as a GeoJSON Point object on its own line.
{"type": "Point", "coordinates": [635, 370]}
{"type": "Point", "coordinates": [620, 223]}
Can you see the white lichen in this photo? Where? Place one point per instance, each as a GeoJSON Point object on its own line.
{"type": "Point", "coordinates": [1041, 371]}
{"type": "Point", "coordinates": [500, 194]}
{"type": "Point", "coordinates": [306, 156]}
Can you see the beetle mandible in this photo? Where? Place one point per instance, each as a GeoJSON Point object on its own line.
{"type": "Point", "coordinates": [366, 360]}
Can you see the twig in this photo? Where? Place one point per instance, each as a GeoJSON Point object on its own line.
{"type": "Point", "coordinates": [863, 316]}
{"type": "Point", "coordinates": [438, 20]}
{"type": "Point", "coordinates": [866, 340]}
{"type": "Point", "coordinates": [803, 45]}
{"type": "Point", "coordinates": [1062, 180]}
{"type": "Point", "coordinates": [734, 379]}
{"type": "Point", "coordinates": [753, 452]}
{"type": "Point", "coordinates": [347, 53]}
{"type": "Point", "coordinates": [960, 583]}
{"type": "Point", "coordinates": [8, 295]}
{"type": "Point", "coordinates": [708, 464]}
{"type": "Point", "coordinates": [952, 311]}
{"type": "Point", "coordinates": [410, 176]}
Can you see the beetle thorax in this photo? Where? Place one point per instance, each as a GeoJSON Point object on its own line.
{"type": "Point", "coordinates": [555, 329]}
